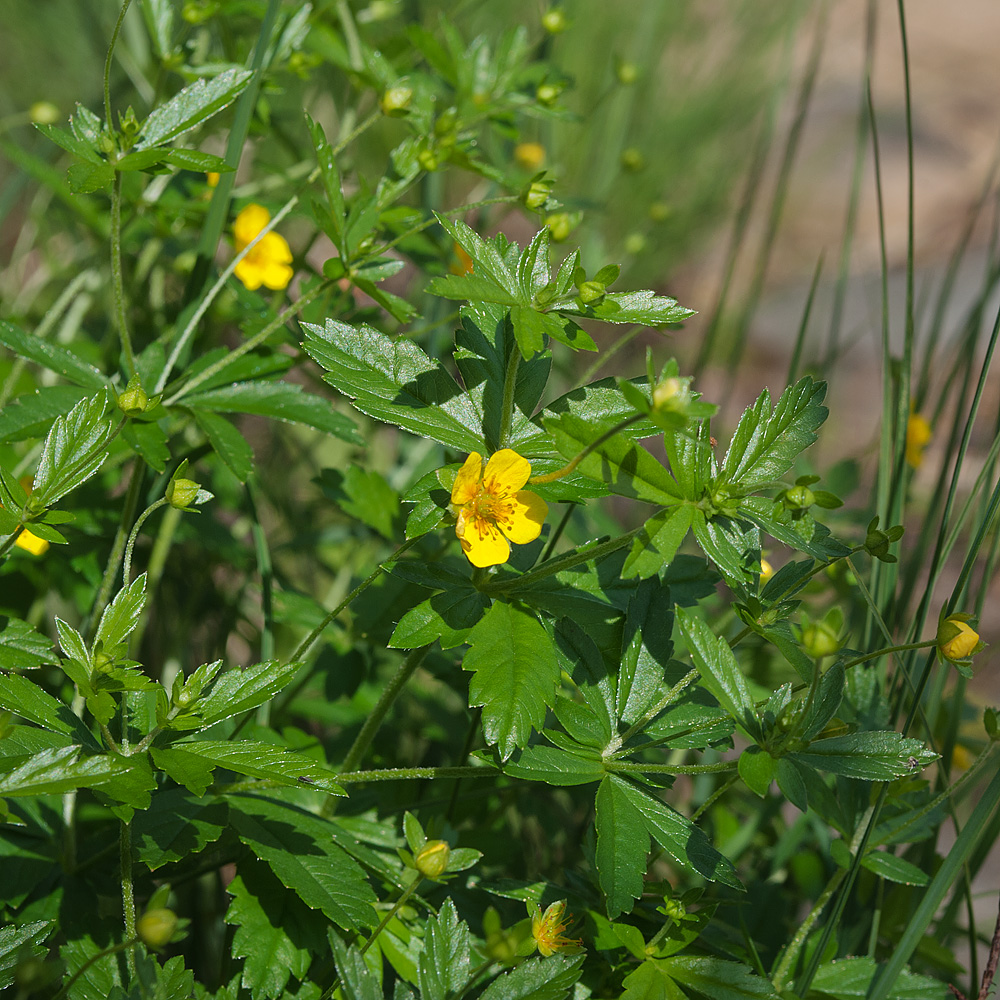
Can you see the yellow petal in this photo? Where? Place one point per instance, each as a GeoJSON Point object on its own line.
{"type": "Point", "coordinates": [467, 481]}
{"type": "Point", "coordinates": [525, 521]}
{"type": "Point", "coordinates": [31, 543]}
{"type": "Point", "coordinates": [249, 223]}
{"type": "Point", "coordinates": [506, 472]}
{"type": "Point", "coordinates": [274, 247]}
{"type": "Point", "coordinates": [482, 542]}
{"type": "Point", "coordinates": [249, 272]}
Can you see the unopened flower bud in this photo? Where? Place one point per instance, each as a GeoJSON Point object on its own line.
{"type": "Point", "coordinates": [667, 393]}
{"type": "Point", "coordinates": [635, 243]}
{"type": "Point", "coordinates": [156, 927]}
{"type": "Point", "coordinates": [819, 640]}
{"type": "Point", "coordinates": [547, 93]}
{"type": "Point", "coordinates": [536, 195]}
{"type": "Point", "coordinates": [396, 100]}
{"type": "Point", "coordinates": [428, 160]}
{"type": "Point", "coordinates": [956, 639]}
{"type": "Point", "coordinates": [43, 113]}
{"type": "Point", "coordinates": [432, 859]}
{"type": "Point", "coordinates": [766, 571]}
{"type": "Point", "coordinates": [660, 211]}
{"type": "Point", "coordinates": [627, 73]}
{"type": "Point", "coordinates": [529, 155]}
{"type": "Point", "coordinates": [554, 21]}
{"type": "Point", "coordinates": [560, 225]}
{"type": "Point", "coordinates": [133, 400]}
{"type": "Point", "coordinates": [799, 498]}
{"type": "Point", "coordinates": [632, 159]}
{"type": "Point", "coordinates": [181, 493]}
{"type": "Point", "coordinates": [591, 292]}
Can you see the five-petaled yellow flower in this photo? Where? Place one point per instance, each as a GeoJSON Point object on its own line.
{"type": "Point", "coordinates": [31, 543]}
{"type": "Point", "coordinates": [492, 507]}
{"type": "Point", "coordinates": [547, 929]}
{"type": "Point", "coordinates": [268, 261]}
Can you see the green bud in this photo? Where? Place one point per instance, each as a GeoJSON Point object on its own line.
{"type": "Point", "coordinates": [107, 144]}
{"type": "Point", "coordinates": [184, 698]}
{"type": "Point", "coordinates": [428, 160]}
{"type": "Point", "coordinates": [43, 113]}
{"type": "Point", "coordinates": [536, 195]}
{"type": "Point", "coordinates": [554, 21]}
{"type": "Point", "coordinates": [103, 662]}
{"type": "Point", "coordinates": [627, 73]}
{"type": "Point", "coordinates": [547, 93]}
{"type": "Point", "coordinates": [671, 395]}
{"type": "Point", "coordinates": [155, 928]}
{"type": "Point", "coordinates": [129, 123]}
{"type": "Point", "coordinates": [446, 123]}
{"type": "Point", "coordinates": [432, 859]}
{"type": "Point", "coordinates": [799, 498]}
{"type": "Point", "coordinates": [591, 292]}
{"type": "Point", "coordinates": [560, 226]}
{"type": "Point", "coordinates": [199, 11]}
{"type": "Point", "coordinates": [133, 400]}
{"type": "Point", "coordinates": [635, 243]}
{"type": "Point", "coordinates": [660, 211]}
{"type": "Point", "coordinates": [396, 100]}
{"type": "Point", "coordinates": [181, 493]}
{"type": "Point", "coordinates": [819, 639]}
{"type": "Point", "coordinates": [632, 159]}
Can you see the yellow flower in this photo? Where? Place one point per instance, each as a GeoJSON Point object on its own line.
{"type": "Point", "coordinates": [766, 570]}
{"type": "Point", "coordinates": [31, 543]}
{"type": "Point", "coordinates": [956, 639]}
{"type": "Point", "coordinates": [491, 504]}
{"type": "Point", "coordinates": [212, 178]}
{"type": "Point", "coordinates": [918, 434]}
{"type": "Point", "coordinates": [530, 155]}
{"type": "Point", "coordinates": [547, 930]}
{"type": "Point", "coordinates": [268, 261]}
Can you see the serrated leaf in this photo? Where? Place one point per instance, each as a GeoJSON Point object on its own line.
{"type": "Point", "coordinates": [257, 760]}
{"type": "Point", "coordinates": [646, 649]}
{"type": "Point", "coordinates": [537, 979]}
{"type": "Point", "coordinates": [227, 442]}
{"type": "Point", "coordinates": [720, 672]}
{"type": "Point", "coordinates": [643, 307]}
{"type": "Point", "coordinates": [758, 769]}
{"type": "Point", "coordinates": [515, 671]}
{"type": "Point", "coordinates": [190, 106]}
{"type": "Point", "coordinates": [651, 982]}
{"type": "Point", "coordinates": [658, 541]}
{"type": "Point", "coordinates": [625, 466]}
{"type": "Point", "coordinates": [22, 647]}
{"type": "Point", "coordinates": [280, 401]}
{"type": "Point", "coordinates": [63, 769]}
{"type": "Point", "coordinates": [359, 982]}
{"type": "Point", "coordinates": [730, 544]}
{"type": "Point", "coordinates": [555, 766]}
{"type": "Point", "coordinates": [622, 846]}
{"type": "Point", "coordinates": [148, 439]}
{"type": "Point", "coordinates": [19, 943]}
{"type": "Point", "coordinates": [849, 979]}
{"type": "Point", "coordinates": [718, 978]}
{"type": "Point", "coordinates": [122, 615]}
{"type": "Point", "coordinates": [82, 148]}
{"type": "Point", "coordinates": [829, 694]}
{"type": "Point", "coordinates": [242, 689]}
{"type": "Point", "coordinates": [175, 826]}
{"type": "Point", "coordinates": [396, 382]}
{"type": "Point", "coordinates": [876, 756]}
{"type": "Point", "coordinates": [299, 849]}
{"type": "Point", "coordinates": [449, 616]}
{"type": "Point", "coordinates": [766, 443]}
{"type": "Point", "coordinates": [679, 837]}
{"type": "Point", "coordinates": [74, 450]}
{"type": "Point", "coordinates": [444, 962]}
{"type": "Point", "coordinates": [31, 415]}
{"type": "Point", "coordinates": [804, 533]}
{"type": "Point", "coordinates": [486, 258]}
{"type": "Point", "coordinates": [27, 700]}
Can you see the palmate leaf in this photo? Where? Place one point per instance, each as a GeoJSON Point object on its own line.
{"type": "Point", "coordinates": [190, 106]}
{"type": "Point", "coordinates": [444, 962]}
{"type": "Point", "coordinates": [515, 671]}
{"type": "Point", "coordinates": [396, 382]}
{"type": "Point", "coordinates": [766, 443]}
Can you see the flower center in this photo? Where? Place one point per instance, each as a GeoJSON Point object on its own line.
{"type": "Point", "coordinates": [489, 507]}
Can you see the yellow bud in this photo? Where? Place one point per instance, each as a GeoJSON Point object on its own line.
{"type": "Point", "coordinates": [957, 640]}
{"type": "Point", "coordinates": [43, 113]}
{"type": "Point", "coordinates": [432, 859]}
{"type": "Point", "coordinates": [766, 571]}
{"type": "Point", "coordinates": [529, 155]}
{"type": "Point", "coordinates": [155, 928]}
{"type": "Point", "coordinates": [918, 435]}
{"type": "Point", "coordinates": [666, 393]}
{"type": "Point", "coordinates": [396, 100]}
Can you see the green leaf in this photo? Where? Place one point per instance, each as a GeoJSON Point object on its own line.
{"type": "Point", "coordinates": [849, 978]}
{"type": "Point", "coordinates": [719, 670]}
{"type": "Point", "coordinates": [622, 846]}
{"type": "Point", "coordinates": [766, 443]}
{"type": "Point", "coordinates": [19, 943]}
{"type": "Point", "coordinates": [625, 466]}
{"type": "Point", "coordinates": [472, 288]}
{"type": "Point", "coordinates": [717, 978]}
{"type": "Point", "coordinates": [63, 769]}
{"type": "Point", "coordinates": [396, 382]}
{"type": "Point", "coordinates": [74, 450]}
{"type": "Point", "coordinates": [894, 869]}
{"type": "Point", "coordinates": [515, 671]}
{"type": "Point", "coordinates": [555, 766]}
{"type": "Point", "coordinates": [86, 178]}
{"type": "Point", "coordinates": [651, 982]}
{"type": "Point", "coordinates": [195, 161]}
{"type": "Point", "coordinates": [360, 982]}
{"type": "Point", "coordinates": [829, 694]}
{"type": "Point", "coordinates": [31, 415]}
{"type": "Point", "coordinates": [449, 616]}
{"type": "Point", "coordinates": [82, 148]}
{"type": "Point", "coordinates": [265, 923]}
{"type": "Point", "coordinates": [644, 307]}
{"type": "Point", "coordinates": [486, 258]}
{"type": "Point", "coordinates": [364, 494]}
{"type": "Point", "coordinates": [98, 977]}
{"type": "Point", "coordinates": [876, 756]}
{"type": "Point", "coordinates": [679, 837]}
{"type": "Point", "coordinates": [804, 533]}
{"type": "Point", "coordinates": [227, 442]}
{"type": "Point", "coordinates": [192, 772]}
{"type": "Point", "coordinates": [646, 649]}
{"type": "Point", "coordinates": [27, 700]}
{"type": "Point", "coordinates": [122, 615]}
{"type": "Point", "coordinates": [192, 105]}
{"type": "Point", "coordinates": [243, 689]}
{"type": "Point", "coordinates": [658, 541]}
{"type": "Point", "coordinates": [257, 760]}
{"type": "Point", "coordinates": [175, 826]}
{"type": "Point", "coordinates": [330, 173]}
{"type": "Point", "coordinates": [148, 439]}
{"type": "Point", "coordinates": [758, 769]}
{"type": "Point", "coordinates": [299, 849]}
{"type": "Point", "coordinates": [280, 401]}
{"type": "Point", "coordinates": [549, 978]}
{"type": "Point", "coordinates": [22, 647]}
{"type": "Point", "coordinates": [444, 962]}
{"type": "Point", "coordinates": [732, 549]}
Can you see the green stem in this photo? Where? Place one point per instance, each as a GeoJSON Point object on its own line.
{"type": "Point", "coordinates": [413, 773]}
{"type": "Point", "coordinates": [791, 955]}
{"type": "Point", "coordinates": [714, 797]}
{"type": "Point", "coordinates": [9, 543]}
{"type": "Point", "coordinates": [154, 568]}
{"type": "Point", "coordinates": [624, 767]}
{"type": "Point", "coordinates": [128, 896]}
{"type": "Point", "coordinates": [130, 545]}
{"type": "Point", "coordinates": [551, 477]}
{"type": "Point", "coordinates": [507, 405]}
{"type": "Point", "coordinates": [117, 284]}
{"type": "Point", "coordinates": [107, 64]}
{"type": "Point", "coordinates": [118, 546]}
{"type": "Point", "coordinates": [890, 649]}
{"type": "Point", "coordinates": [307, 642]}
